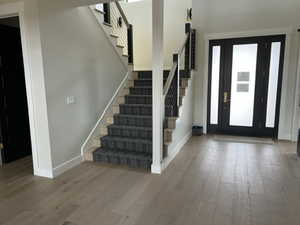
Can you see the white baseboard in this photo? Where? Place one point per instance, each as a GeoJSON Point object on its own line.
{"type": "Point", "coordinates": [285, 136]}
{"type": "Point", "coordinates": [156, 169]}
{"type": "Point", "coordinates": [44, 173]}
{"type": "Point", "coordinates": [176, 150]}
{"type": "Point", "coordinates": [66, 166]}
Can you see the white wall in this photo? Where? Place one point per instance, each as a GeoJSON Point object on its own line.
{"type": "Point", "coordinates": [34, 78]}
{"type": "Point", "coordinates": [140, 16]}
{"type": "Point", "coordinates": [78, 61]}
{"type": "Point", "coordinates": [66, 53]}
{"type": "Point", "coordinates": [252, 17]}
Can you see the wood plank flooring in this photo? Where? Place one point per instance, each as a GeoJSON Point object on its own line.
{"type": "Point", "coordinates": [209, 183]}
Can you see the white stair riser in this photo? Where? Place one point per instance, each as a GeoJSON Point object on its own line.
{"type": "Point", "coordinates": [167, 135]}
{"type": "Point", "coordinates": [110, 120]}
{"type": "Point", "coordinates": [129, 84]}
{"type": "Point", "coordinates": [135, 75]}
{"type": "Point", "coordinates": [96, 142]}
{"type": "Point", "coordinates": [120, 51]}
{"type": "Point", "coordinates": [108, 29]}
{"type": "Point", "coordinates": [182, 92]}
{"type": "Point", "coordinates": [184, 83]}
{"type": "Point", "coordinates": [88, 156]}
{"type": "Point", "coordinates": [125, 59]}
{"type": "Point", "coordinates": [171, 123]}
{"type": "Point", "coordinates": [121, 100]}
{"type": "Point", "coordinates": [116, 109]}
{"type": "Point", "coordinates": [104, 131]}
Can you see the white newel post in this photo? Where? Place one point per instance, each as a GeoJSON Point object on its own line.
{"type": "Point", "coordinates": [157, 83]}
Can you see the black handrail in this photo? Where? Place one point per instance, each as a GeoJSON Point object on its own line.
{"type": "Point", "coordinates": [106, 10]}
{"type": "Point", "coordinates": [171, 90]}
{"type": "Point", "coordinates": [175, 65]}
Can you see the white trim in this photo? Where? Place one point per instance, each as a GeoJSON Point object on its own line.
{"type": "Point", "coordinates": [67, 166]}
{"type": "Point", "coordinates": [295, 125]}
{"type": "Point", "coordinates": [282, 135]}
{"type": "Point", "coordinates": [108, 106]}
{"type": "Point", "coordinates": [156, 169]}
{"type": "Point", "coordinates": [176, 150]}
{"type": "Point", "coordinates": [205, 86]}
{"type": "Point", "coordinates": [28, 72]}
{"type": "Point", "coordinates": [38, 119]}
{"type": "Point", "coordinates": [158, 109]}
{"type": "Point", "coordinates": [250, 33]}
{"type": "Point", "coordinates": [44, 173]}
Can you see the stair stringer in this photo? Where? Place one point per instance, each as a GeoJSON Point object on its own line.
{"type": "Point", "coordinates": [110, 35]}
{"type": "Point", "coordinates": [181, 127]}
{"type": "Point", "coordinates": [93, 140]}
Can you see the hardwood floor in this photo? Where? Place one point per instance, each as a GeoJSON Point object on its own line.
{"type": "Point", "coordinates": [209, 183]}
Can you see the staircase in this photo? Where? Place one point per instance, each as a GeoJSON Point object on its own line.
{"type": "Point", "coordinates": [129, 138]}
{"type": "Point", "coordinates": [123, 135]}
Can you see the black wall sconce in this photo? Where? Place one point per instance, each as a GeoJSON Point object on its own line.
{"type": "Point", "coordinates": [189, 14]}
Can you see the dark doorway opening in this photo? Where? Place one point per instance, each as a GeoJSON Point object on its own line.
{"type": "Point", "coordinates": [245, 76]}
{"type": "Point", "coordinates": [14, 120]}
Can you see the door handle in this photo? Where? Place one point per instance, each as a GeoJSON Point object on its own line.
{"type": "Point", "coordinates": [226, 99]}
{"type": "Point", "coordinates": [1, 146]}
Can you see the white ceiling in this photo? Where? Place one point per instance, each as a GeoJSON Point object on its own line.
{"type": "Point", "coordinates": [234, 15]}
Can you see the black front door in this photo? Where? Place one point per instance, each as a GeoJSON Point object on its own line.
{"type": "Point", "coordinates": [245, 76]}
{"type": "Point", "coordinates": [14, 122]}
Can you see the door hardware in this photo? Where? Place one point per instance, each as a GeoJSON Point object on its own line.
{"type": "Point", "coordinates": [226, 97]}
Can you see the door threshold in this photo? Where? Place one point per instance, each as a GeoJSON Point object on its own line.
{"type": "Point", "coordinates": [242, 139]}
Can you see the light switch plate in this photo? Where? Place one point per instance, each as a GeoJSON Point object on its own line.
{"type": "Point", "coordinates": [70, 100]}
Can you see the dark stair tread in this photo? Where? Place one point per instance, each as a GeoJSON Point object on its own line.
{"type": "Point", "coordinates": [138, 99]}
{"type": "Point", "coordinates": [142, 87]}
{"type": "Point", "coordinates": [102, 150]}
{"type": "Point", "coordinates": [133, 120]}
{"type": "Point", "coordinates": [165, 78]}
{"type": "Point", "coordinates": [148, 74]}
{"type": "Point", "coordinates": [147, 78]}
{"type": "Point", "coordinates": [136, 105]}
{"type": "Point", "coordinates": [142, 96]}
{"type": "Point", "coordinates": [126, 139]}
{"type": "Point", "coordinates": [145, 99]}
{"type": "Point", "coordinates": [141, 105]}
{"type": "Point", "coordinates": [129, 127]}
{"type": "Point", "coordinates": [120, 157]}
{"type": "Point", "coordinates": [133, 116]}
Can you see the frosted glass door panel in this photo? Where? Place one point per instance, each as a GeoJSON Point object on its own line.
{"type": "Point", "coordinates": [215, 79]}
{"type": "Point", "coordinates": [273, 83]}
{"type": "Point", "coordinates": [243, 85]}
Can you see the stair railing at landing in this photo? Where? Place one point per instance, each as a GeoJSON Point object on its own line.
{"type": "Point", "coordinates": [114, 16]}
{"type": "Point", "coordinates": [183, 64]}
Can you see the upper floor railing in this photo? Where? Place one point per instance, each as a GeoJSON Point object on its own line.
{"type": "Point", "coordinates": [183, 63]}
{"type": "Point", "coordinates": [115, 17]}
